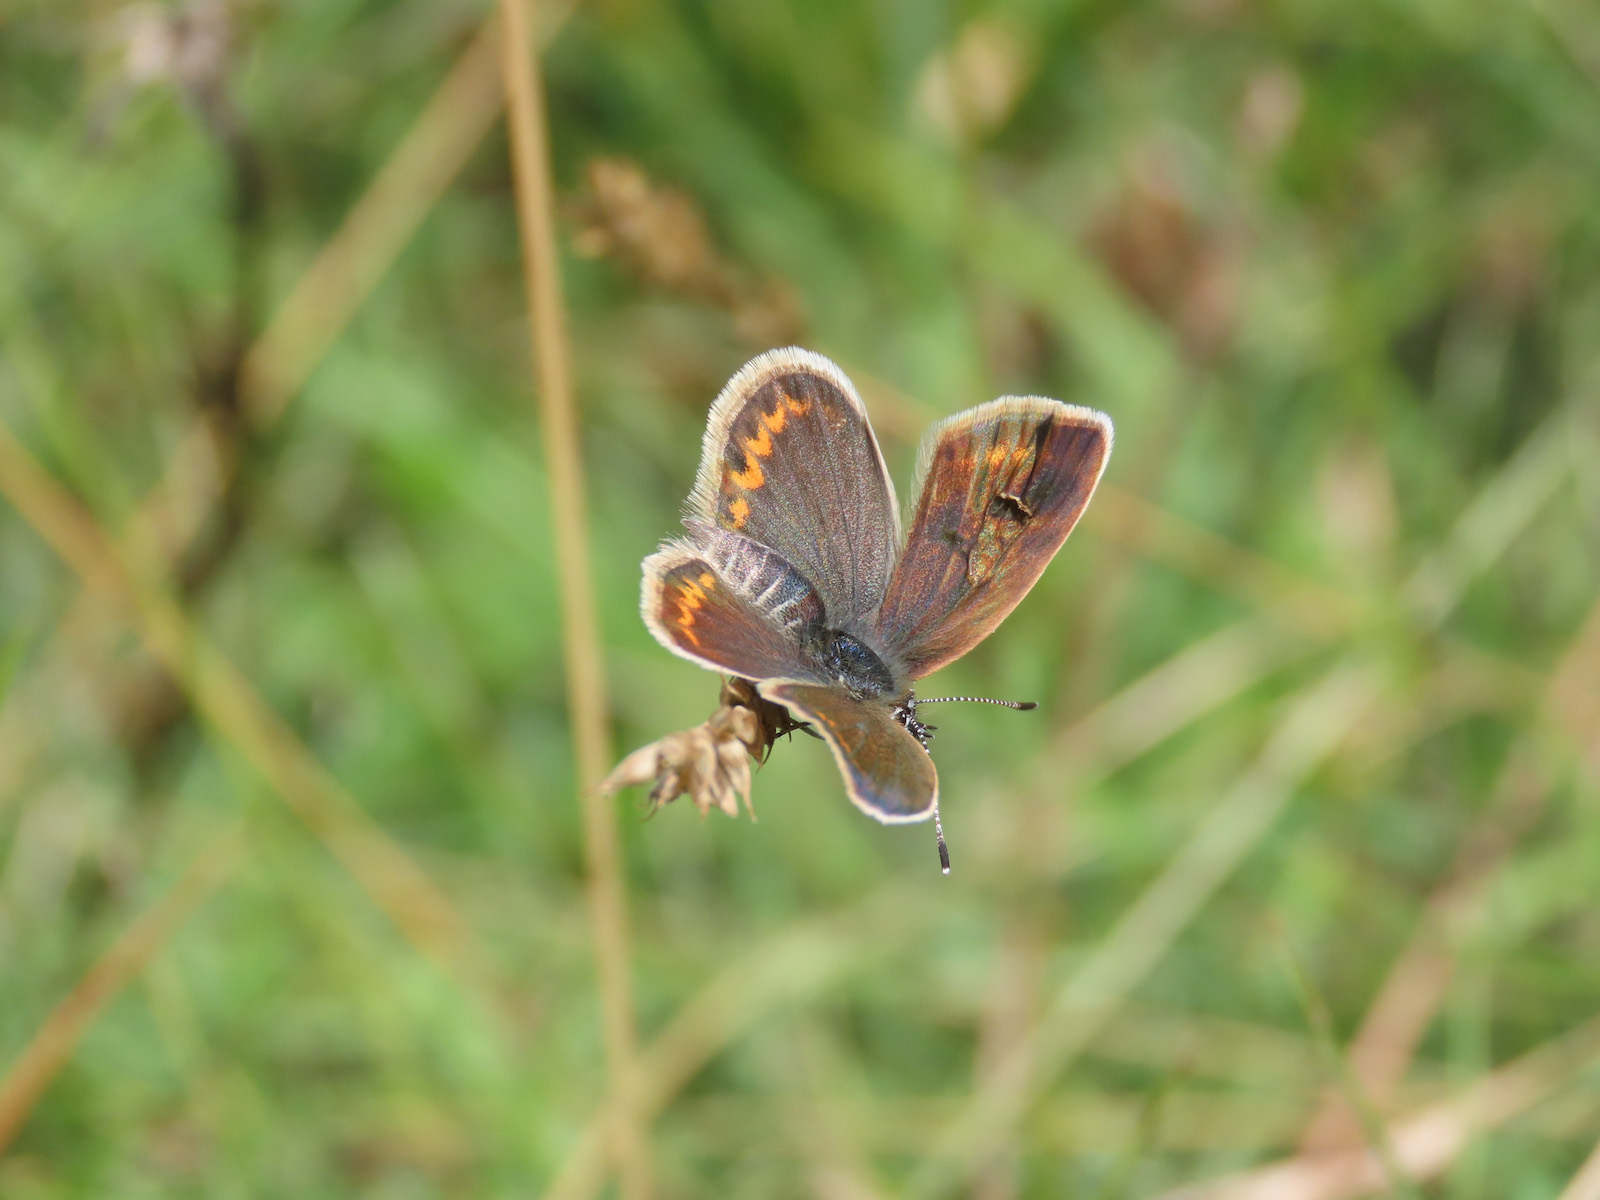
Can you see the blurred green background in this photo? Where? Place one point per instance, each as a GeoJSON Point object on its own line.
{"type": "Point", "coordinates": [1306, 825]}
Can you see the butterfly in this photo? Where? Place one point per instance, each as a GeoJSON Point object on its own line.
{"type": "Point", "coordinates": [796, 575]}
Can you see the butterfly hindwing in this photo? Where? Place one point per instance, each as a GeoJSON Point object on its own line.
{"type": "Point", "coordinates": [791, 462]}
{"type": "Point", "coordinates": [999, 489]}
{"type": "Point", "coordinates": [886, 771]}
{"type": "Point", "coordinates": [730, 605]}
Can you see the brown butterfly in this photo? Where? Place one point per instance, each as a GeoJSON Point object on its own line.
{"type": "Point", "coordinates": [795, 573]}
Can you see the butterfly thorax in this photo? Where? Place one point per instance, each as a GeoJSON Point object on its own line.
{"type": "Point", "coordinates": [862, 672]}
{"type": "Point", "coordinates": [852, 664]}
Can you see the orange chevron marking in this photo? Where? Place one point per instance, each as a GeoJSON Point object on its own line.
{"type": "Point", "coordinates": [688, 599]}
{"type": "Point", "coordinates": [761, 446]}
{"type": "Point", "coordinates": [751, 477]}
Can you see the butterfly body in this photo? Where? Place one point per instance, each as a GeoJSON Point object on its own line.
{"type": "Point", "coordinates": [795, 573]}
{"type": "Point", "coordinates": [854, 665]}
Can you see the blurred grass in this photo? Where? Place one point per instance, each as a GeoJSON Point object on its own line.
{"type": "Point", "coordinates": [1334, 274]}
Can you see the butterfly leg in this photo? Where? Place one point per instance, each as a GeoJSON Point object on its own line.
{"type": "Point", "coordinates": [905, 712]}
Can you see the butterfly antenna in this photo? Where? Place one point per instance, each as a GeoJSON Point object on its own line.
{"type": "Point", "coordinates": [1019, 705]}
{"type": "Point", "coordinates": [938, 832]}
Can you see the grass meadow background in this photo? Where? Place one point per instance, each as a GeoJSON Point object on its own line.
{"type": "Point", "coordinates": [1288, 890]}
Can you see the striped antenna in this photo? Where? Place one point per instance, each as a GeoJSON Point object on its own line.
{"type": "Point", "coordinates": [1019, 705]}
{"type": "Point", "coordinates": [924, 732]}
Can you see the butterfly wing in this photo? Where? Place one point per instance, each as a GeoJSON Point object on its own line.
{"type": "Point", "coordinates": [886, 771]}
{"type": "Point", "coordinates": [730, 604]}
{"type": "Point", "coordinates": [1000, 487]}
{"type": "Point", "coordinates": [790, 461]}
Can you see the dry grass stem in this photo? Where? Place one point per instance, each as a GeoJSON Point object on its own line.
{"type": "Point", "coordinates": [332, 289]}
{"type": "Point", "coordinates": [1572, 697]}
{"type": "Point", "coordinates": [785, 968]}
{"type": "Point", "coordinates": [1426, 1144]}
{"type": "Point", "coordinates": [1300, 603]}
{"type": "Point", "coordinates": [1156, 706]}
{"type": "Point", "coordinates": [323, 301]}
{"type": "Point", "coordinates": [1585, 1185]}
{"type": "Point", "coordinates": [1313, 727]}
{"type": "Point", "coordinates": [1577, 35]}
{"type": "Point", "coordinates": [1008, 1011]}
{"type": "Point", "coordinates": [1416, 986]}
{"type": "Point", "coordinates": [839, 1165]}
{"type": "Point", "coordinates": [52, 1045]}
{"type": "Point", "coordinates": [1344, 1078]}
{"type": "Point", "coordinates": [1099, 1124]}
{"type": "Point", "coordinates": [1498, 513]}
{"type": "Point", "coordinates": [1382, 1049]}
{"type": "Point", "coordinates": [1174, 1119]}
{"type": "Point", "coordinates": [1313, 608]}
{"type": "Point", "coordinates": [380, 223]}
{"type": "Point", "coordinates": [1173, 695]}
{"type": "Point", "coordinates": [586, 698]}
{"type": "Point", "coordinates": [225, 698]}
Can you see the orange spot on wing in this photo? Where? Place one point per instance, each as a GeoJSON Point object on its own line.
{"type": "Point", "coordinates": [708, 581]}
{"type": "Point", "coordinates": [798, 407]}
{"type": "Point", "coordinates": [997, 456]}
{"type": "Point", "coordinates": [751, 477]}
{"type": "Point", "coordinates": [739, 510]}
{"type": "Point", "coordinates": [689, 598]}
{"type": "Point", "coordinates": [759, 446]}
{"type": "Point", "coordinates": [776, 419]}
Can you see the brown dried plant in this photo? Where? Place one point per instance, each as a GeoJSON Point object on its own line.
{"type": "Point", "coordinates": [711, 762]}
{"type": "Point", "coordinates": [1183, 267]}
{"type": "Point", "coordinates": [658, 233]}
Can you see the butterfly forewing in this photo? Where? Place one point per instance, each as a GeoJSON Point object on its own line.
{"type": "Point", "coordinates": [1001, 487]}
{"type": "Point", "coordinates": [790, 462]}
{"type": "Point", "coordinates": [886, 771]}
